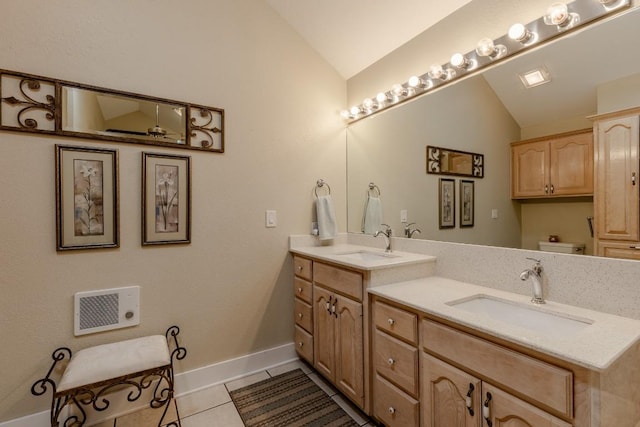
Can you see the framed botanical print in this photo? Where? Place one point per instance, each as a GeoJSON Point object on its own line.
{"type": "Point", "coordinates": [166, 199]}
{"type": "Point", "coordinates": [447, 203]}
{"type": "Point", "coordinates": [87, 211]}
{"type": "Point", "coordinates": [467, 202]}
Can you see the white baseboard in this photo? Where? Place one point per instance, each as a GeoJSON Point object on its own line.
{"type": "Point", "coordinates": [192, 381]}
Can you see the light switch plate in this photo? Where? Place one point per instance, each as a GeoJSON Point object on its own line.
{"type": "Point", "coordinates": [403, 215]}
{"type": "Point", "coordinates": [494, 213]}
{"type": "Point", "coordinates": [270, 219]}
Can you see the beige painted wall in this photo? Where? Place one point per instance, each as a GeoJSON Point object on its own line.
{"type": "Point", "coordinates": [390, 150]}
{"type": "Point", "coordinates": [229, 290]}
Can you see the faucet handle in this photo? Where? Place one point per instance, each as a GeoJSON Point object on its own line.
{"type": "Point", "coordinates": [538, 266]}
{"type": "Point", "coordinates": [533, 259]}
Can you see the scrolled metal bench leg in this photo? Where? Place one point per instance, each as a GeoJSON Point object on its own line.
{"type": "Point", "coordinates": [178, 353]}
{"type": "Point", "coordinates": [41, 386]}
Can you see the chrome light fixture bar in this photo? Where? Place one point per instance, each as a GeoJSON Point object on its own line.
{"type": "Point", "coordinates": [558, 19]}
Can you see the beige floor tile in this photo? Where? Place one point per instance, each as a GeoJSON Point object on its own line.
{"type": "Point", "coordinates": [109, 423]}
{"type": "Point", "coordinates": [222, 416]}
{"type": "Point", "coordinates": [351, 409]}
{"type": "Point", "coordinates": [244, 381]}
{"type": "Point", "coordinates": [290, 367]}
{"type": "Point", "coordinates": [323, 384]}
{"type": "Point", "coordinates": [202, 400]}
{"type": "Point", "coordinates": [148, 417]}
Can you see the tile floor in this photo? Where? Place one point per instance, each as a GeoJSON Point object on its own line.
{"type": "Point", "coordinates": [212, 407]}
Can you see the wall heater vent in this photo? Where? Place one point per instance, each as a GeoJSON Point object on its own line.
{"type": "Point", "coordinates": [106, 309]}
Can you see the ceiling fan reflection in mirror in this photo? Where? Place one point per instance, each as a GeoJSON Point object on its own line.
{"type": "Point", "coordinates": [156, 131]}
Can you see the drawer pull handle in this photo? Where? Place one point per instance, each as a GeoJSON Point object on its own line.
{"type": "Point", "coordinates": [391, 362]}
{"type": "Point", "coordinates": [552, 189]}
{"type": "Point", "coordinates": [634, 247]}
{"type": "Point", "coordinates": [633, 178]}
{"type": "Point", "coordinates": [392, 410]}
{"type": "Point", "coordinates": [391, 322]}
{"type": "Point", "coordinates": [546, 189]}
{"type": "Point", "coordinates": [300, 268]}
{"type": "Point", "coordinates": [300, 315]}
{"type": "Point", "coordinates": [300, 344]}
{"type": "Point", "coordinates": [485, 410]}
{"type": "Point", "coordinates": [299, 290]}
{"type": "Point", "coordinates": [333, 308]}
{"type": "Point", "coordinates": [469, 400]}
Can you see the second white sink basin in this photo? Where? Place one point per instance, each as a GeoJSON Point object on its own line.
{"type": "Point", "coordinates": [530, 317]}
{"type": "Point", "coordinates": [367, 255]}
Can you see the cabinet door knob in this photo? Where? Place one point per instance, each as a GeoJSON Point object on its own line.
{"type": "Point", "coordinates": [300, 268]}
{"type": "Point", "coordinates": [392, 410]}
{"type": "Point", "coordinates": [391, 322]}
{"type": "Point", "coordinates": [552, 189]}
{"type": "Point", "coordinates": [299, 290]}
{"type": "Point", "coordinates": [300, 315]}
{"type": "Point", "coordinates": [546, 189]}
{"type": "Point", "coordinates": [633, 178]}
{"type": "Point", "coordinates": [391, 361]}
{"type": "Point", "coordinates": [300, 344]}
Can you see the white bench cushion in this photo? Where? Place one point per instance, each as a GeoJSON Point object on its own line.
{"type": "Point", "coordinates": [107, 361]}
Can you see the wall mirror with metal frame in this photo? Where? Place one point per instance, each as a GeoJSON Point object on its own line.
{"type": "Point", "coordinates": [443, 161]}
{"type": "Point", "coordinates": [42, 105]}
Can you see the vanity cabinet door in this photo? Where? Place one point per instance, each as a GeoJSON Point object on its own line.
{"type": "Point", "coordinates": [324, 332]}
{"type": "Point", "coordinates": [349, 349]}
{"type": "Point", "coordinates": [501, 409]}
{"type": "Point", "coordinates": [571, 165]}
{"type": "Point", "coordinates": [450, 397]}
{"type": "Point", "coordinates": [617, 179]}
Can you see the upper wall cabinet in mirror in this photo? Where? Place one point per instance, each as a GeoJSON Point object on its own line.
{"type": "Point", "coordinates": [48, 106]}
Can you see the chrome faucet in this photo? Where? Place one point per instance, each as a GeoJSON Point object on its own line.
{"type": "Point", "coordinates": [535, 274]}
{"type": "Point", "coordinates": [408, 232]}
{"type": "Point", "coordinates": [387, 236]}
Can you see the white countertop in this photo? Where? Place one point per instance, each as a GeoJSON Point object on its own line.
{"type": "Point", "coordinates": [332, 253]}
{"type": "Point", "coordinates": [595, 347]}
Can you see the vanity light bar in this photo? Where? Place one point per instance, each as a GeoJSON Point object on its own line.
{"type": "Point", "coordinates": [558, 19]}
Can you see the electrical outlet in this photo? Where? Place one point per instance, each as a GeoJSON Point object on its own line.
{"type": "Point", "coordinates": [270, 219]}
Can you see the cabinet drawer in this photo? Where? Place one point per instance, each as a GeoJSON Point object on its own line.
{"type": "Point", "coordinates": [344, 281]}
{"type": "Point", "coordinates": [302, 313]}
{"type": "Point", "coordinates": [392, 406]}
{"type": "Point", "coordinates": [302, 289]}
{"type": "Point", "coordinates": [544, 384]}
{"type": "Point", "coordinates": [395, 321]}
{"type": "Point", "coordinates": [397, 362]}
{"type": "Point", "coordinates": [302, 267]}
{"type": "Point", "coordinates": [304, 344]}
{"type": "Point", "coordinates": [625, 250]}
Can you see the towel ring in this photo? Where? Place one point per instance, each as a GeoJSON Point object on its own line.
{"type": "Point", "coordinates": [373, 187]}
{"type": "Point", "coordinates": [319, 184]}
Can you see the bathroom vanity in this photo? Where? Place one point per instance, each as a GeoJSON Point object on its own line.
{"type": "Point", "coordinates": [414, 349]}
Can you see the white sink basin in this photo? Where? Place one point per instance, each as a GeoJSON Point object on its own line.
{"type": "Point", "coordinates": [367, 255]}
{"type": "Point", "coordinates": [534, 318]}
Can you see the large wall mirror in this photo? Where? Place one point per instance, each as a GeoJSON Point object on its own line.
{"type": "Point", "coordinates": [38, 104]}
{"type": "Point", "coordinates": [484, 114]}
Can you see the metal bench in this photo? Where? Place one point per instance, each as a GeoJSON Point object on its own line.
{"type": "Point", "coordinates": [93, 373]}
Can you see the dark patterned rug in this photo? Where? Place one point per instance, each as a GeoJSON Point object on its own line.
{"type": "Point", "coordinates": [289, 399]}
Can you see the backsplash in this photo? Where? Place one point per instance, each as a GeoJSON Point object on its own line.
{"type": "Point", "coordinates": [602, 284]}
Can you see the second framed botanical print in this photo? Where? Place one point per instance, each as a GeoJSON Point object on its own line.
{"type": "Point", "coordinates": [467, 202]}
{"type": "Point", "coordinates": [166, 199]}
{"type": "Point", "coordinates": [447, 203]}
{"type": "Point", "coordinates": [87, 211]}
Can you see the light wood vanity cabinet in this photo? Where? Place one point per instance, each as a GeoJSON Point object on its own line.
{"type": "Point", "coordinates": [338, 328]}
{"type": "Point", "coordinates": [616, 199]}
{"type": "Point", "coordinates": [303, 311]}
{"type": "Point", "coordinates": [473, 394]}
{"type": "Point", "coordinates": [555, 166]}
{"type": "Point", "coordinates": [395, 365]}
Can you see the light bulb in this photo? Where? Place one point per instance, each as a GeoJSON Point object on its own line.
{"type": "Point", "coordinates": [398, 90]}
{"type": "Point", "coordinates": [458, 60]}
{"type": "Point", "coordinates": [355, 111]}
{"type": "Point", "coordinates": [557, 14]}
{"type": "Point", "coordinates": [345, 114]}
{"type": "Point", "coordinates": [415, 81]}
{"type": "Point", "coordinates": [436, 72]}
{"type": "Point", "coordinates": [368, 104]}
{"type": "Point", "coordinates": [382, 97]}
{"type": "Point", "coordinates": [485, 47]}
{"type": "Point", "coordinates": [519, 33]}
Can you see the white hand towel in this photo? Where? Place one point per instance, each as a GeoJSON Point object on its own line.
{"type": "Point", "coordinates": [327, 226]}
{"type": "Point", "coordinates": [372, 216]}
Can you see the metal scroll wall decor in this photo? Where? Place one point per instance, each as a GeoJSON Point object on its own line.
{"type": "Point", "coordinates": [43, 105]}
{"type": "Point", "coordinates": [443, 161]}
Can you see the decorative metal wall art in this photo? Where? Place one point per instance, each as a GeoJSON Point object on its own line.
{"type": "Point", "coordinates": [443, 161]}
{"type": "Point", "coordinates": [43, 105]}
